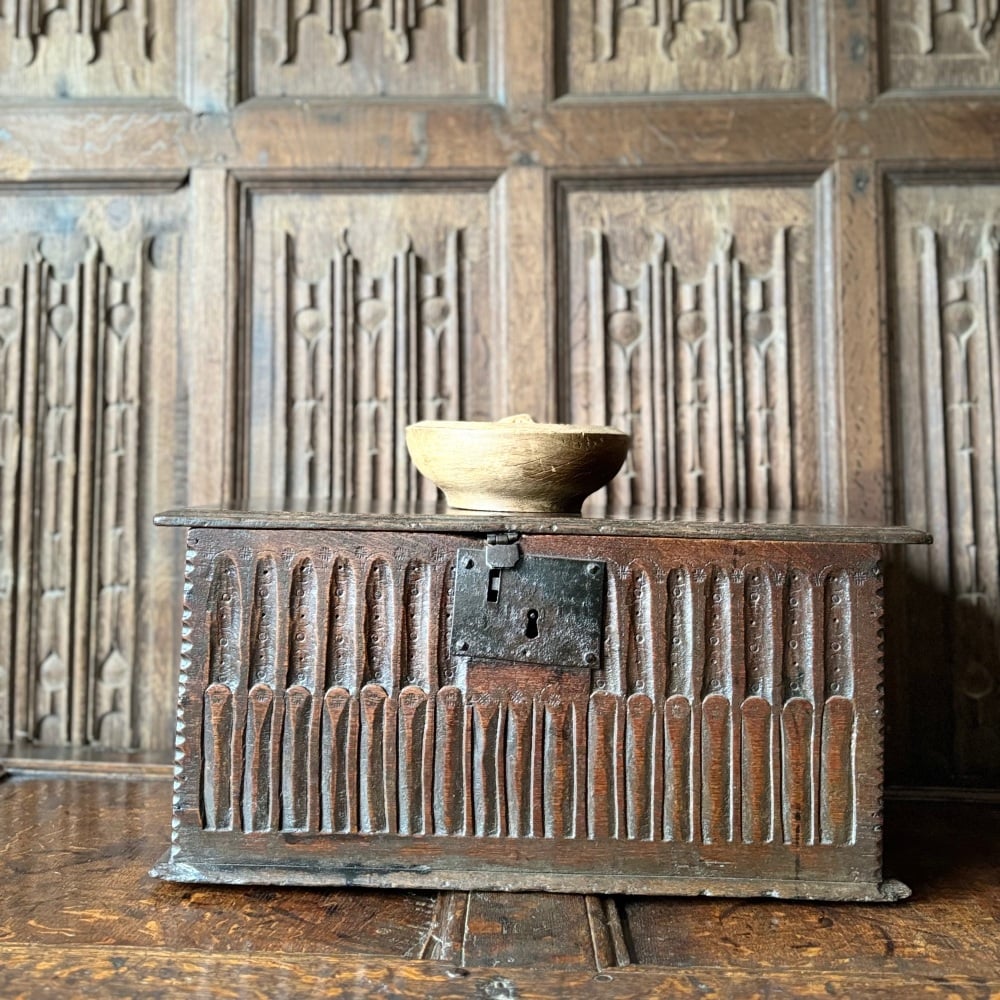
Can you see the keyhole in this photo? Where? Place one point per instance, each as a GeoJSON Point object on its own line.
{"type": "Point", "coordinates": [531, 629]}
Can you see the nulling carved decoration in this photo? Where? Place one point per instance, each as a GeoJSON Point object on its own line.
{"type": "Point", "coordinates": [343, 712]}
{"type": "Point", "coordinates": [799, 712]}
{"type": "Point", "coordinates": [762, 604]}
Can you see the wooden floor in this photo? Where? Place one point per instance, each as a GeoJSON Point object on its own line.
{"type": "Point", "coordinates": [79, 915]}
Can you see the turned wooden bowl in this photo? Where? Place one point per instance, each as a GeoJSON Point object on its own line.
{"type": "Point", "coordinates": [516, 464]}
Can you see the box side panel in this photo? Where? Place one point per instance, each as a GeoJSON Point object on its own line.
{"type": "Point", "coordinates": [732, 730]}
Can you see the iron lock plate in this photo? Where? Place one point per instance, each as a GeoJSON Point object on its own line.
{"type": "Point", "coordinates": [545, 610]}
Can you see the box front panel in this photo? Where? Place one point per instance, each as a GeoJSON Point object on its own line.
{"type": "Point", "coordinates": [729, 739]}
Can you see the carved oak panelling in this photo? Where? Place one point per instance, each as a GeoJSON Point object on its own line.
{"type": "Point", "coordinates": [369, 48]}
{"type": "Point", "coordinates": [946, 245]}
{"type": "Point", "coordinates": [943, 44]}
{"type": "Point", "coordinates": [691, 324]}
{"type": "Point", "coordinates": [619, 47]}
{"type": "Point", "coordinates": [88, 48]}
{"type": "Point", "coordinates": [369, 311]}
{"type": "Point", "coordinates": [723, 712]}
{"type": "Point", "coordinates": [88, 287]}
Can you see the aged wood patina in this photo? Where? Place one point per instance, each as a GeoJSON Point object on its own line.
{"type": "Point", "coordinates": [362, 702]}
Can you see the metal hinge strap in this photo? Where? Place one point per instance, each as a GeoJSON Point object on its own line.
{"type": "Point", "coordinates": [502, 550]}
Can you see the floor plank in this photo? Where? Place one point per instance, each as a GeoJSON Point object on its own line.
{"type": "Point", "coordinates": [51, 761]}
{"type": "Point", "coordinates": [949, 853]}
{"type": "Point", "coordinates": [79, 907]}
{"type": "Point", "coordinates": [74, 861]}
{"type": "Point", "coordinates": [498, 929]}
{"type": "Point", "coordinates": [160, 972]}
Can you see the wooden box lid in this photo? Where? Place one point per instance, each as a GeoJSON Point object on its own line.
{"type": "Point", "coordinates": [743, 525]}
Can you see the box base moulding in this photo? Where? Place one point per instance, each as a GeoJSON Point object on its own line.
{"type": "Point", "coordinates": [425, 876]}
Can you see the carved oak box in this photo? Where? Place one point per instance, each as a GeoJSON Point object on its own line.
{"type": "Point", "coordinates": [513, 702]}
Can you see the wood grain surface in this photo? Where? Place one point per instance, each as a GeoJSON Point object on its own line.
{"type": "Point", "coordinates": [79, 908]}
{"type": "Point", "coordinates": [157, 972]}
{"type": "Point", "coordinates": [242, 244]}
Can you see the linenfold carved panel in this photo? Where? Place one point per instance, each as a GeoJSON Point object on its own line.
{"type": "Point", "coordinates": [86, 284]}
{"type": "Point", "coordinates": [946, 244]}
{"type": "Point", "coordinates": [935, 45]}
{"type": "Point", "coordinates": [369, 312]}
{"type": "Point", "coordinates": [691, 324]}
{"type": "Point", "coordinates": [87, 48]}
{"type": "Point", "coordinates": [369, 48]}
{"type": "Point", "coordinates": [618, 47]}
{"type": "Point", "coordinates": [723, 713]}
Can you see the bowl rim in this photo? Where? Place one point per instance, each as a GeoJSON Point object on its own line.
{"type": "Point", "coordinates": [511, 427]}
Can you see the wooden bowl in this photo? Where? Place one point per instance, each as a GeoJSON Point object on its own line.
{"type": "Point", "coordinates": [516, 464]}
